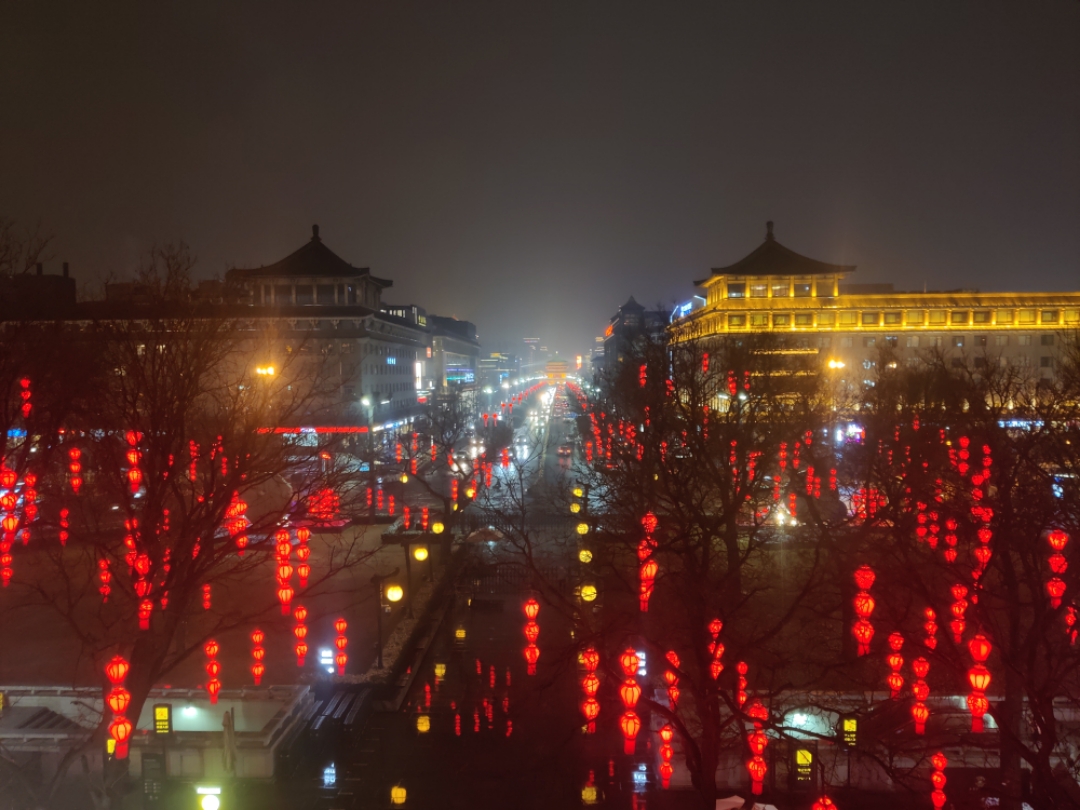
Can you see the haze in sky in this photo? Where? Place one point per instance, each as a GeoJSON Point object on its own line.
{"type": "Point", "coordinates": [530, 166]}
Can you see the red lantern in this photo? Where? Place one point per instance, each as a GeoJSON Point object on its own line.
{"type": "Point", "coordinates": [1056, 537]}
{"type": "Point", "coordinates": [532, 655]}
{"type": "Point", "coordinates": [300, 614]}
{"type": "Point", "coordinates": [591, 684]}
{"type": "Point", "coordinates": [117, 669]}
{"type": "Point", "coordinates": [300, 631]}
{"type": "Point", "coordinates": [257, 670]}
{"type": "Point", "coordinates": [630, 693]}
{"type": "Point", "coordinates": [980, 648]}
{"type": "Point", "coordinates": [667, 733]}
{"type": "Point", "coordinates": [118, 699]}
{"type": "Point", "coordinates": [285, 595]}
{"type": "Point", "coordinates": [629, 663]}
{"type": "Point", "coordinates": [532, 609]}
{"type": "Point", "coordinates": [1055, 588]}
{"type": "Point", "coordinates": [213, 668]}
{"type": "Point", "coordinates": [920, 714]}
{"type": "Point", "coordinates": [303, 533]}
{"type": "Point", "coordinates": [864, 605]}
{"type": "Point", "coordinates": [757, 769]}
{"type": "Point", "coordinates": [120, 730]}
{"type": "Point", "coordinates": [864, 634]}
{"type": "Point", "coordinates": [532, 632]}
{"type": "Point", "coordinates": [590, 708]}
{"type": "Point", "coordinates": [146, 609]}
{"type": "Point", "coordinates": [757, 741]}
{"type": "Point", "coordinates": [978, 705]}
{"type": "Point", "coordinates": [301, 652]}
{"type": "Point", "coordinates": [824, 803]}
{"type": "Point", "coordinates": [920, 666]}
{"type": "Point", "coordinates": [211, 649]}
{"type": "Point", "coordinates": [341, 659]}
{"type": "Point", "coordinates": [979, 678]}
{"type": "Point", "coordinates": [896, 682]}
{"type": "Point", "coordinates": [341, 626]}
{"type": "Point", "coordinates": [715, 626]}
{"type": "Point", "coordinates": [630, 724]}
{"type": "Point", "coordinates": [213, 688]}
{"type": "Point", "coordinates": [864, 577]}
{"type": "Point", "coordinates": [341, 642]}
{"type": "Point", "coordinates": [920, 690]}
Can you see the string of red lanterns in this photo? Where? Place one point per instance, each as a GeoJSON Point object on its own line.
{"type": "Point", "coordinates": [258, 668]}
{"type": "Point", "coordinates": [213, 669]}
{"type": "Point", "coordinates": [118, 699]}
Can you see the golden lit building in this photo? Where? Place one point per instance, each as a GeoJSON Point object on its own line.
{"type": "Point", "coordinates": [557, 370]}
{"type": "Point", "coordinates": [774, 289]}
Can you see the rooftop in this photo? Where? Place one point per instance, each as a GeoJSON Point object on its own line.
{"type": "Point", "coordinates": [773, 259]}
{"type": "Point", "coordinates": [315, 260]}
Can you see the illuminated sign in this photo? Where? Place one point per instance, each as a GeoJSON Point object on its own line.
{"type": "Point", "coordinates": [163, 718]}
{"type": "Point", "coordinates": [804, 765]}
{"type": "Point", "coordinates": [850, 731]}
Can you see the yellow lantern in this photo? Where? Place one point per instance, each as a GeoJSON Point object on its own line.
{"type": "Point", "coordinates": [588, 794]}
{"type": "Point", "coordinates": [588, 593]}
{"type": "Point", "coordinates": [459, 634]}
{"type": "Point", "coordinates": [397, 795]}
{"type": "Point", "coordinates": [578, 492]}
{"type": "Point", "coordinates": [585, 555]}
{"type": "Point", "coordinates": [404, 478]}
{"type": "Point", "coordinates": [437, 528]}
{"type": "Point", "coordinates": [394, 593]}
{"type": "Point", "coordinates": [440, 671]}
{"type": "Point", "coordinates": [423, 724]}
{"type": "Point", "coordinates": [470, 493]}
{"type": "Point", "coordinates": [583, 528]}
{"type": "Point", "coordinates": [575, 507]}
{"type": "Point", "coordinates": [420, 553]}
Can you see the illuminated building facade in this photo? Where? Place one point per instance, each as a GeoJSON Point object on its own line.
{"type": "Point", "coordinates": [777, 290]}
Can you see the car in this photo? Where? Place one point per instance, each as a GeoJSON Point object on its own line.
{"type": "Point", "coordinates": [565, 450]}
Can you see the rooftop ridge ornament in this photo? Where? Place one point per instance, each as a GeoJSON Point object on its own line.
{"type": "Point", "coordinates": [768, 231]}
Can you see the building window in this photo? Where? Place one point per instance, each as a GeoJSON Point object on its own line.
{"type": "Point", "coordinates": [1049, 316]}
{"type": "Point", "coordinates": [736, 290]}
{"type": "Point", "coordinates": [1001, 340]}
{"type": "Point", "coordinates": [981, 317]}
{"type": "Point", "coordinates": [959, 318]}
{"type": "Point", "coordinates": [1023, 340]}
{"type": "Point", "coordinates": [1072, 315]}
{"type": "Point", "coordinates": [958, 341]}
{"type": "Point", "coordinates": [781, 290]}
{"type": "Point", "coordinates": [892, 318]}
{"type": "Point", "coordinates": [937, 341]}
{"type": "Point", "coordinates": [915, 317]}
{"type": "Point", "coordinates": [847, 342]}
{"type": "Point", "coordinates": [825, 341]}
{"type": "Point", "coordinates": [869, 341]}
{"type": "Point", "coordinates": [1046, 340]}
{"type": "Point", "coordinates": [759, 290]}
{"type": "Point", "coordinates": [734, 322]}
{"type": "Point", "coordinates": [871, 318]}
{"type": "Point", "coordinates": [1026, 316]}
{"type": "Point", "coordinates": [781, 320]}
{"type": "Point", "coordinates": [849, 318]}
{"type": "Point", "coordinates": [891, 341]}
{"type": "Point", "coordinates": [305, 294]}
{"type": "Point", "coordinates": [1003, 317]}
{"type": "Point", "coordinates": [938, 316]}
{"type": "Point", "coordinates": [804, 319]}
{"type": "Point", "coordinates": [825, 289]}
{"type": "Point", "coordinates": [826, 318]}
{"type": "Point", "coordinates": [1046, 362]}
{"type": "Point", "coordinates": [912, 341]}
{"type": "Point", "coordinates": [802, 290]}
{"type": "Point", "coordinates": [324, 294]}
{"type": "Point", "coordinates": [282, 294]}
{"type": "Point", "coordinates": [759, 320]}
{"type": "Point", "coordinates": [980, 340]}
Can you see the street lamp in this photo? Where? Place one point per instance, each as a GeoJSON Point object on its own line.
{"type": "Point", "coordinates": [393, 594]}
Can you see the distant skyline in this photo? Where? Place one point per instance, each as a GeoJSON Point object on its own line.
{"type": "Point", "coordinates": [529, 167]}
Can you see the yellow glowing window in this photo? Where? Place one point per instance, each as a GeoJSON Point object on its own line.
{"type": "Point", "coordinates": [825, 289]}
{"type": "Point", "coordinates": [781, 320]}
{"type": "Point", "coordinates": [781, 291]}
{"type": "Point", "coordinates": [1003, 316]}
{"type": "Point", "coordinates": [1027, 316]}
{"type": "Point", "coordinates": [804, 319]}
{"type": "Point", "coordinates": [915, 317]}
{"type": "Point", "coordinates": [759, 320]}
{"type": "Point", "coordinates": [959, 318]}
{"type": "Point", "coordinates": [871, 318]}
{"type": "Point", "coordinates": [981, 317]}
{"type": "Point", "coordinates": [938, 317]}
{"type": "Point", "coordinates": [826, 318]}
{"type": "Point", "coordinates": [1072, 315]}
{"type": "Point", "coordinates": [1050, 316]}
{"type": "Point", "coordinates": [849, 318]}
{"type": "Point", "coordinates": [759, 290]}
{"type": "Point", "coordinates": [892, 318]}
{"type": "Point", "coordinates": [736, 321]}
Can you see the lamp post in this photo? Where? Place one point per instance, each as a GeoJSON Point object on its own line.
{"type": "Point", "coordinates": [393, 594]}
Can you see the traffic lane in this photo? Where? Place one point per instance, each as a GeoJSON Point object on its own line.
{"type": "Point", "coordinates": [485, 732]}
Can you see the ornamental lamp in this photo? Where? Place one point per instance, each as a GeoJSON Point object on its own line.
{"type": "Point", "coordinates": [118, 699]}
{"type": "Point", "coordinates": [583, 528]}
{"type": "Point", "coordinates": [394, 593]}
{"type": "Point", "coordinates": [116, 670]}
{"type": "Point", "coordinates": [629, 662]}
{"type": "Point", "coordinates": [437, 528]}
{"type": "Point", "coordinates": [420, 553]}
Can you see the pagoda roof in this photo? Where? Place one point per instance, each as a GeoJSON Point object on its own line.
{"type": "Point", "coordinates": [314, 260]}
{"type": "Point", "coordinates": [773, 259]}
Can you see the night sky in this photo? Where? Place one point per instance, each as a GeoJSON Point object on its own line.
{"type": "Point", "coordinates": [527, 166]}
